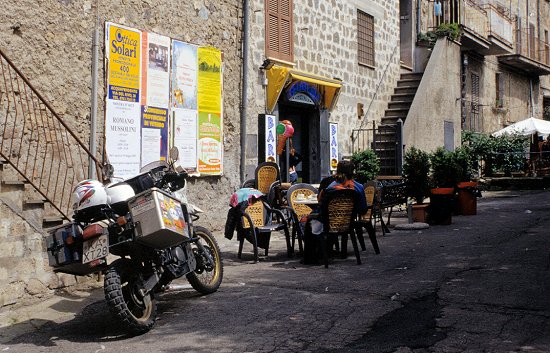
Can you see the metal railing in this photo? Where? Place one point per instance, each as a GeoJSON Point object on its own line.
{"type": "Point", "coordinates": [500, 23]}
{"type": "Point", "coordinates": [529, 45]}
{"type": "Point", "coordinates": [476, 19]}
{"type": "Point", "coordinates": [37, 143]}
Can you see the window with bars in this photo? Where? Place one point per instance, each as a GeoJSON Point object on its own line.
{"type": "Point", "coordinates": [365, 38]}
{"type": "Point", "coordinates": [279, 37]}
{"type": "Point", "coordinates": [499, 85]}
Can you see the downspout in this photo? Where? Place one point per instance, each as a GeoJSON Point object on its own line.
{"type": "Point", "coordinates": [531, 98]}
{"type": "Point", "coordinates": [93, 114]}
{"type": "Point", "coordinates": [244, 101]}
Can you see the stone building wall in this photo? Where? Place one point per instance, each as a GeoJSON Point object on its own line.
{"type": "Point", "coordinates": [51, 43]}
{"type": "Point", "coordinates": [325, 44]}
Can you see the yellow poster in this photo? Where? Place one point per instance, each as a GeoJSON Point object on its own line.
{"type": "Point", "coordinates": [124, 56]}
{"type": "Point", "coordinates": [210, 80]}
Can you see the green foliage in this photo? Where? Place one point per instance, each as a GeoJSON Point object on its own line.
{"type": "Point", "coordinates": [449, 30]}
{"type": "Point", "coordinates": [463, 163]}
{"type": "Point", "coordinates": [367, 165]}
{"type": "Point", "coordinates": [546, 113]}
{"type": "Point", "coordinates": [445, 170]}
{"type": "Point", "coordinates": [416, 170]}
{"type": "Point", "coordinates": [500, 154]}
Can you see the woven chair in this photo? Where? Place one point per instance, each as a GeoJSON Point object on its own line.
{"type": "Point", "coordinates": [297, 211]}
{"type": "Point", "coordinates": [365, 221]}
{"type": "Point", "coordinates": [256, 226]}
{"type": "Point", "coordinates": [266, 174]}
{"type": "Point", "coordinates": [337, 217]}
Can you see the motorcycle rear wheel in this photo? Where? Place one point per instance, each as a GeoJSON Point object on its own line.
{"type": "Point", "coordinates": [206, 279]}
{"type": "Point", "coordinates": [121, 286]}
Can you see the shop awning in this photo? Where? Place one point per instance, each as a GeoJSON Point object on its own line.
{"type": "Point", "coordinates": [278, 77]}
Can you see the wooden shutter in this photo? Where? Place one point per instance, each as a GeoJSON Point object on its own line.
{"type": "Point", "coordinates": [279, 41]}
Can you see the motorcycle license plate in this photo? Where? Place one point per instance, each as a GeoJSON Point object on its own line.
{"type": "Point", "coordinates": [94, 249]}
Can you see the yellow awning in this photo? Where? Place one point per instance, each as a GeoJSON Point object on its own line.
{"type": "Point", "coordinates": [278, 76]}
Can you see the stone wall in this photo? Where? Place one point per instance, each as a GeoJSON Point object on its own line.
{"type": "Point", "coordinates": [51, 43]}
{"type": "Point", "coordinates": [325, 44]}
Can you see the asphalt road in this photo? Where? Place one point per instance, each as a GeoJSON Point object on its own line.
{"type": "Point", "coordinates": [481, 284]}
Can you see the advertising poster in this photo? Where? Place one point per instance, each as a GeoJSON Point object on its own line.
{"type": "Point", "coordinates": [270, 138]}
{"type": "Point", "coordinates": [154, 123]}
{"type": "Point", "coordinates": [333, 133]}
{"type": "Point", "coordinates": [184, 75]}
{"type": "Point", "coordinates": [210, 143]}
{"type": "Point", "coordinates": [156, 74]}
{"type": "Point", "coordinates": [123, 50]}
{"type": "Point", "coordinates": [185, 137]}
{"type": "Point", "coordinates": [122, 137]}
{"type": "Point", "coordinates": [210, 80]}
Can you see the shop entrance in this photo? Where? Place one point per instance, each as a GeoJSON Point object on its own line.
{"type": "Point", "coordinates": [306, 122]}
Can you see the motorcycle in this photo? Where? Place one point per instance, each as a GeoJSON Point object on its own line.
{"type": "Point", "coordinates": [148, 223]}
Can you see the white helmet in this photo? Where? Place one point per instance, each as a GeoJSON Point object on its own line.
{"type": "Point", "coordinates": [118, 196]}
{"type": "Point", "coordinates": [89, 196]}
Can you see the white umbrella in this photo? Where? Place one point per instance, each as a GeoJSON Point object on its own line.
{"type": "Point", "coordinates": [526, 127]}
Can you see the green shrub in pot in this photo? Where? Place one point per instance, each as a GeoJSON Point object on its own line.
{"type": "Point", "coordinates": [367, 165]}
{"type": "Point", "coordinates": [416, 171]}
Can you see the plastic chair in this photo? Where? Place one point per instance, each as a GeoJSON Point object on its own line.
{"type": "Point", "coordinates": [365, 221]}
{"type": "Point", "coordinates": [256, 226]}
{"type": "Point", "coordinates": [298, 211]}
{"type": "Point", "coordinates": [337, 217]}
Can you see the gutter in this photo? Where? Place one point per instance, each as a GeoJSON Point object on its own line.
{"type": "Point", "coordinates": [244, 97]}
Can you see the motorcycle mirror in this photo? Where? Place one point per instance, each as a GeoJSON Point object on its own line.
{"type": "Point", "coordinates": [108, 171]}
{"type": "Point", "coordinates": [174, 153]}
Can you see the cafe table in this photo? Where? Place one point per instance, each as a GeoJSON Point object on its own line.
{"type": "Point", "coordinates": [307, 201]}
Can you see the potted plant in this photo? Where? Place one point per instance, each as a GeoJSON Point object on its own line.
{"type": "Point", "coordinates": [416, 170]}
{"type": "Point", "coordinates": [467, 189]}
{"type": "Point", "coordinates": [444, 178]}
{"type": "Point", "coordinates": [367, 165]}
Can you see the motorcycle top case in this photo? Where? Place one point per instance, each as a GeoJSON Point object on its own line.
{"type": "Point", "coordinates": [67, 258]}
{"type": "Point", "coordinates": [159, 218]}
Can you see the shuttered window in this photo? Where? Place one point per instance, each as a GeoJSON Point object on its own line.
{"type": "Point", "coordinates": [365, 38]}
{"type": "Point", "coordinates": [279, 41]}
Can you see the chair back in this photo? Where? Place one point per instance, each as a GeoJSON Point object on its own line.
{"type": "Point", "coordinates": [337, 210]}
{"type": "Point", "coordinates": [266, 174]}
{"type": "Point", "coordinates": [257, 213]}
{"type": "Point", "coordinates": [370, 192]}
{"type": "Point", "coordinates": [300, 210]}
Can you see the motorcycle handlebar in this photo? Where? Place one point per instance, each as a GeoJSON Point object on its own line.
{"type": "Point", "coordinates": [177, 179]}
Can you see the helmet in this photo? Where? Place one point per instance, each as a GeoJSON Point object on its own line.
{"type": "Point", "coordinates": [89, 196]}
{"type": "Point", "coordinates": [118, 196]}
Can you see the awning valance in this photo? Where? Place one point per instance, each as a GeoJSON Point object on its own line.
{"type": "Point", "coordinates": [278, 77]}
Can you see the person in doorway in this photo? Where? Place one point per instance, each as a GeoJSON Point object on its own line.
{"type": "Point", "coordinates": [294, 159]}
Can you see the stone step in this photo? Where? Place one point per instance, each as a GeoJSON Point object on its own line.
{"type": "Point", "coordinates": [400, 105]}
{"type": "Point", "coordinates": [399, 112]}
{"type": "Point", "coordinates": [406, 90]}
{"type": "Point", "coordinates": [411, 75]}
{"type": "Point", "coordinates": [50, 222]}
{"type": "Point", "coordinates": [402, 97]}
{"type": "Point", "coordinates": [408, 83]}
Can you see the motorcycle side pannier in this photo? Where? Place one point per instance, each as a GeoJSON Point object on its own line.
{"type": "Point", "coordinates": [159, 217]}
{"type": "Point", "coordinates": [64, 247]}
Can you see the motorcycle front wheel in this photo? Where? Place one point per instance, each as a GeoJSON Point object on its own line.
{"type": "Point", "coordinates": [122, 286]}
{"type": "Point", "coordinates": [206, 278]}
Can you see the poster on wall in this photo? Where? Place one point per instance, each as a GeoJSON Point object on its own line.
{"type": "Point", "coordinates": [210, 111]}
{"type": "Point", "coordinates": [270, 138]}
{"type": "Point", "coordinates": [122, 137]}
{"type": "Point", "coordinates": [122, 110]}
{"type": "Point", "coordinates": [184, 75]}
{"type": "Point", "coordinates": [154, 134]}
{"type": "Point", "coordinates": [333, 131]}
{"type": "Point", "coordinates": [185, 137]}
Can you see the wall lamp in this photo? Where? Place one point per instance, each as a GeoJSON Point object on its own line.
{"type": "Point", "coordinates": [267, 64]}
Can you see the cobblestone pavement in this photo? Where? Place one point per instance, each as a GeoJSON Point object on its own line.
{"type": "Point", "coordinates": [478, 285]}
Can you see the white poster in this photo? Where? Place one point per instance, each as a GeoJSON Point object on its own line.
{"type": "Point", "coordinates": [333, 131]}
{"type": "Point", "coordinates": [150, 145]}
{"type": "Point", "coordinates": [185, 137]}
{"type": "Point", "coordinates": [184, 75]}
{"type": "Point", "coordinates": [270, 138]}
{"type": "Point", "coordinates": [157, 72]}
{"type": "Point", "coordinates": [122, 137]}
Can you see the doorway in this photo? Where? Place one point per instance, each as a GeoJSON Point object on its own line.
{"type": "Point", "coordinates": [306, 123]}
{"type": "Point", "coordinates": [406, 32]}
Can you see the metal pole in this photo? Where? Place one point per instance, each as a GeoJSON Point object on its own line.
{"type": "Point", "coordinates": [93, 115]}
{"type": "Point", "coordinates": [399, 155]}
{"type": "Point", "coordinates": [244, 101]}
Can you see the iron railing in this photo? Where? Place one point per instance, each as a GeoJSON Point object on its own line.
{"type": "Point", "coordinates": [37, 143]}
{"type": "Point", "coordinates": [530, 46]}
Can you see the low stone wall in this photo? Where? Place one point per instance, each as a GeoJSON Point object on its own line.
{"type": "Point", "coordinates": [515, 183]}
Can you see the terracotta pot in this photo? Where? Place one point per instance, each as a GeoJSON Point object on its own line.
{"type": "Point", "coordinates": [441, 205]}
{"type": "Point", "coordinates": [467, 199]}
{"type": "Point", "coordinates": [420, 212]}
{"type": "Point", "coordinates": [442, 191]}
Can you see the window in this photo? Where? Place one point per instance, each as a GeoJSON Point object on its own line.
{"type": "Point", "coordinates": [499, 84]}
{"type": "Point", "coordinates": [279, 38]}
{"type": "Point", "coordinates": [365, 38]}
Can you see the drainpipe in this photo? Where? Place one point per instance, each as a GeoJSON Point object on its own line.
{"type": "Point", "coordinates": [93, 114]}
{"type": "Point", "coordinates": [531, 98]}
{"type": "Point", "coordinates": [244, 101]}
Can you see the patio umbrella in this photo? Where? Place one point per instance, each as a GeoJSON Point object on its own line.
{"type": "Point", "coordinates": [526, 127]}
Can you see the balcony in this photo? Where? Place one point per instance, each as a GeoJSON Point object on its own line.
{"type": "Point", "coordinates": [501, 35]}
{"type": "Point", "coordinates": [475, 27]}
{"type": "Point", "coordinates": [531, 54]}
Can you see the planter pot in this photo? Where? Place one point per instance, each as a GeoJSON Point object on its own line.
{"type": "Point", "coordinates": [420, 212]}
{"type": "Point", "coordinates": [441, 206]}
{"type": "Point", "coordinates": [467, 198]}
{"type": "Point", "coordinates": [518, 174]}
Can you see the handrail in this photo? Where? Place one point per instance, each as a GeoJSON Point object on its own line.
{"type": "Point", "coordinates": [37, 143]}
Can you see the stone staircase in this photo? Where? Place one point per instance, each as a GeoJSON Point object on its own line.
{"type": "Point", "coordinates": [398, 108]}
{"type": "Point", "coordinates": [23, 199]}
